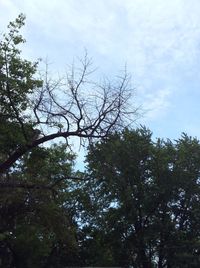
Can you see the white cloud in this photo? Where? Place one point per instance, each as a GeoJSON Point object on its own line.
{"type": "Point", "coordinates": [156, 104]}
{"type": "Point", "coordinates": [159, 40]}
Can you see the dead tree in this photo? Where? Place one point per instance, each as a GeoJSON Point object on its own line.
{"type": "Point", "coordinates": [76, 107]}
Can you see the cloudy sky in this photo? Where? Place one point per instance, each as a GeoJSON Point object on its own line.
{"type": "Point", "coordinates": [158, 40]}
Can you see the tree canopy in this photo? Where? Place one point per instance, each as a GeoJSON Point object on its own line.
{"type": "Point", "coordinates": [146, 196]}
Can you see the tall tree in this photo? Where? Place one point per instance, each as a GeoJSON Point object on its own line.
{"type": "Point", "coordinates": [35, 205]}
{"type": "Point", "coordinates": [146, 198]}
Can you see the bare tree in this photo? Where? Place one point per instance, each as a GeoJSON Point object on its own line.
{"type": "Point", "coordinates": [75, 107]}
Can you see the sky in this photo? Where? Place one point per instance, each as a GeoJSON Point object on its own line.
{"type": "Point", "coordinates": [158, 41]}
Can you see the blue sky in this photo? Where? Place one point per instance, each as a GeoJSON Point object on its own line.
{"type": "Point", "coordinates": [158, 40]}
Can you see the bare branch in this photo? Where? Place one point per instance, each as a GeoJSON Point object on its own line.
{"type": "Point", "coordinates": [77, 107]}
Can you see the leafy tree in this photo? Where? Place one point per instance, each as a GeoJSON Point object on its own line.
{"type": "Point", "coordinates": [35, 222]}
{"type": "Point", "coordinates": [146, 200]}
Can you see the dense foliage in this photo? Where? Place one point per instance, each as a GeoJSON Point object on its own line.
{"type": "Point", "coordinates": [146, 196]}
{"type": "Point", "coordinates": [35, 221]}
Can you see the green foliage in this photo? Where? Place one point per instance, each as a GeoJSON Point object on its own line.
{"type": "Point", "coordinates": [17, 83]}
{"type": "Point", "coordinates": [35, 221]}
{"type": "Point", "coordinates": [16, 74]}
{"type": "Point", "coordinates": [148, 200]}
